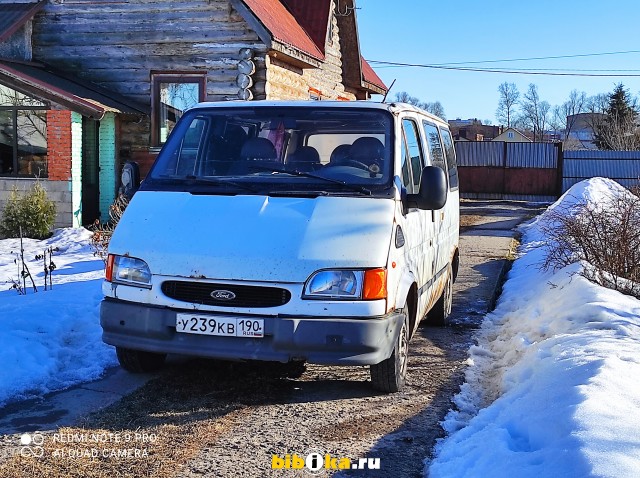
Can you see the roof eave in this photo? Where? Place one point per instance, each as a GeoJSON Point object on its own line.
{"type": "Point", "coordinates": [294, 55]}
{"type": "Point", "coordinates": [373, 88]}
{"type": "Point", "coordinates": [41, 89]}
{"type": "Point", "coordinates": [44, 91]}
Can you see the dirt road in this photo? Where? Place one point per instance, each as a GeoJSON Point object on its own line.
{"type": "Point", "coordinates": [207, 418]}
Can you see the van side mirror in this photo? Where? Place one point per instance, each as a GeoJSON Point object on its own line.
{"type": "Point", "coordinates": [433, 190]}
{"type": "Point", "coordinates": [130, 179]}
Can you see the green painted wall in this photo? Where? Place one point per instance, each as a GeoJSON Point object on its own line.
{"type": "Point", "coordinates": [107, 151]}
{"type": "Point", "coordinates": [76, 169]}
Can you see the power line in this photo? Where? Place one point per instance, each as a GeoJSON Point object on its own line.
{"type": "Point", "coordinates": [582, 55]}
{"type": "Point", "coordinates": [512, 71]}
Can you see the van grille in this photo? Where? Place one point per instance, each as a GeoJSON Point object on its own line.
{"type": "Point", "coordinates": [226, 295]}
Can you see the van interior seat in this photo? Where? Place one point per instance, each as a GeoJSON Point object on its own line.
{"type": "Point", "coordinates": [367, 150]}
{"type": "Point", "coordinates": [306, 158]}
{"type": "Point", "coordinates": [258, 149]}
{"type": "Point", "coordinates": [255, 152]}
{"type": "Point", "coordinates": [340, 153]}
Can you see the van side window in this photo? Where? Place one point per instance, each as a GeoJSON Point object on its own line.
{"type": "Point", "coordinates": [450, 152]}
{"type": "Point", "coordinates": [435, 146]}
{"type": "Point", "coordinates": [412, 156]}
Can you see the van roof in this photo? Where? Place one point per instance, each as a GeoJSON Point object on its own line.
{"type": "Point", "coordinates": [394, 107]}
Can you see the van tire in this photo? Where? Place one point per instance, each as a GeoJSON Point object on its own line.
{"type": "Point", "coordinates": [437, 316]}
{"type": "Point", "coordinates": [390, 375]}
{"type": "Point", "coordinates": [138, 361]}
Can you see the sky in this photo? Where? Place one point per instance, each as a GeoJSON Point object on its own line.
{"type": "Point", "coordinates": [430, 32]}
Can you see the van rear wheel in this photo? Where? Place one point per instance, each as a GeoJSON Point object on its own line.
{"type": "Point", "coordinates": [437, 316]}
{"type": "Point", "coordinates": [390, 375]}
{"type": "Point", "coordinates": [139, 361]}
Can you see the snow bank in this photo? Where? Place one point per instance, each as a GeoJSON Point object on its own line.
{"type": "Point", "coordinates": [552, 388]}
{"type": "Point", "coordinates": [51, 340]}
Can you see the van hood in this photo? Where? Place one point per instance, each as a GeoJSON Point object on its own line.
{"type": "Point", "coordinates": [253, 238]}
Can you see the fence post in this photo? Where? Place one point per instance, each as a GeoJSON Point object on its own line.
{"type": "Point", "coordinates": [504, 169]}
{"type": "Point", "coordinates": [560, 167]}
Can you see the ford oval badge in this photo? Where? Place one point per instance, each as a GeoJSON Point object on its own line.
{"type": "Point", "coordinates": [223, 295]}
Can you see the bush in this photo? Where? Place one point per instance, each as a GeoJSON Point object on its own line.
{"type": "Point", "coordinates": [604, 235]}
{"type": "Point", "coordinates": [102, 231]}
{"type": "Point", "coordinates": [33, 211]}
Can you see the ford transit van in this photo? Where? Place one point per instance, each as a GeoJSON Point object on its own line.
{"type": "Point", "coordinates": [320, 232]}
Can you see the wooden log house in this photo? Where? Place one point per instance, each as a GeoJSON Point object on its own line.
{"type": "Point", "coordinates": [88, 85]}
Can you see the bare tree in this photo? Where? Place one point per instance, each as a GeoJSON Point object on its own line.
{"type": "Point", "coordinates": [404, 97]}
{"type": "Point", "coordinates": [535, 113]}
{"type": "Point", "coordinates": [509, 96]}
{"type": "Point", "coordinates": [564, 115]}
{"type": "Point", "coordinates": [434, 108]}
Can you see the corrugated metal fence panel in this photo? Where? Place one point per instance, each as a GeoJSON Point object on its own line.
{"type": "Point", "coordinates": [532, 155]}
{"type": "Point", "coordinates": [611, 168]}
{"type": "Point", "coordinates": [621, 166]}
{"type": "Point", "coordinates": [596, 154]}
{"type": "Point", "coordinates": [476, 153]}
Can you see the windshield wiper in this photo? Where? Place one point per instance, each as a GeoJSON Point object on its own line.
{"type": "Point", "coordinates": [221, 182]}
{"type": "Point", "coordinates": [295, 172]}
{"type": "Point", "coordinates": [211, 180]}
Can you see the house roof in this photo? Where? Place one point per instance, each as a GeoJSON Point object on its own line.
{"type": "Point", "coordinates": [80, 96]}
{"type": "Point", "coordinates": [15, 15]}
{"type": "Point", "coordinates": [371, 77]}
{"type": "Point", "coordinates": [284, 27]}
{"type": "Point", "coordinates": [313, 17]}
{"type": "Point", "coordinates": [302, 25]}
{"type": "Point", "coordinates": [523, 137]}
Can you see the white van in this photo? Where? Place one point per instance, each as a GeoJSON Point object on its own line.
{"type": "Point", "coordinates": [313, 231]}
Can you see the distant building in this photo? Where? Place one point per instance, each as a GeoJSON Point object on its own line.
{"type": "Point", "coordinates": [512, 135]}
{"type": "Point", "coordinates": [581, 134]}
{"type": "Point", "coordinates": [473, 130]}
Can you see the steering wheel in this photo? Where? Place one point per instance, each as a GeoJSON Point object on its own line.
{"type": "Point", "coordinates": [352, 163]}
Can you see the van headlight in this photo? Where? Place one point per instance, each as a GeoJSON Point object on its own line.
{"type": "Point", "coordinates": [347, 284]}
{"type": "Point", "coordinates": [128, 270]}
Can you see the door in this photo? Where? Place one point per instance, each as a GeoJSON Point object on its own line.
{"type": "Point", "coordinates": [418, 227]}
{"type": "Point", "coordinates": [90, 172]}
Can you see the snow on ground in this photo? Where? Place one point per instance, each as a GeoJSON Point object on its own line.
{"type": "Point", "coordinates": [51, 339]}
{"type": "Point", "coordinates": [552, 387]}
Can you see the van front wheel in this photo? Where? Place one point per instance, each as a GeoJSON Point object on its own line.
{"type": "Point", "coordinates": [138, 361]}
{"type": "Point", "coordinates": [390, 374]}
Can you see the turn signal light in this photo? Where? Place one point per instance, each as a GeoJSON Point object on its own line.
{"type": "Point", "coordinates": [109, 270]}
{"type": "Point", "coordinates": [375, 284]}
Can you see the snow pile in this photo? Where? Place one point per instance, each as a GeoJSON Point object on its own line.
{"type": "Point", "coordinates": [552, 388]}
{"type": "Point", "coordinates": [51, 340]}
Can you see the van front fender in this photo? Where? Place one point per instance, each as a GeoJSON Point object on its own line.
{"type": "Point", "coordinates": [406, 281]}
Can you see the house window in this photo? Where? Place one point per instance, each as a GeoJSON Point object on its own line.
{"type": "Point", "coordinates": [510, 135]}
{"type": "Point", "coordinates": [23, 134]}
{"type": "Point", "coordinates": [171, 95]}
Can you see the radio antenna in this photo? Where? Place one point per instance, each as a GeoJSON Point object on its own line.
{"type": "Point", "coordinates": [385, 95]}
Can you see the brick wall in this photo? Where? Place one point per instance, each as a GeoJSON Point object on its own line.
{"type": "Point", "coordinates": [59, 144]}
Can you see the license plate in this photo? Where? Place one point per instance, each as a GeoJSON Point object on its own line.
{"type": "Point", "coordinates": [219, 326]}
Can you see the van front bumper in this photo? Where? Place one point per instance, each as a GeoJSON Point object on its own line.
{"type": "Point", "coordinates": [320, 340]}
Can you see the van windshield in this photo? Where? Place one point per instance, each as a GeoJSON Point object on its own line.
{"type": "Point", "coordinates": [278, 149]}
